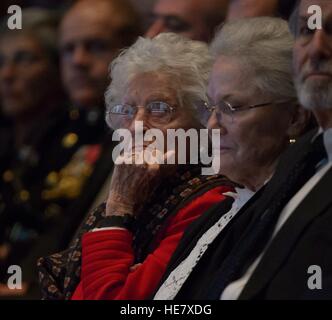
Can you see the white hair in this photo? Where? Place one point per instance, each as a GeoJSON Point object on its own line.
{"type": "Point", "coordinates": [188, 62]}
{"type": "Point", "coordinates": [263, 46]}
{"type": "Point", "coordinates": [314, 94]}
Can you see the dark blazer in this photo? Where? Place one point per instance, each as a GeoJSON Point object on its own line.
{"type": "Point", "coordinates": [303, 241]}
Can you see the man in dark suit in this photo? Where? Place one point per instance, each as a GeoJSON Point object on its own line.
{"type": "Point", "coordinates": [279, 245]}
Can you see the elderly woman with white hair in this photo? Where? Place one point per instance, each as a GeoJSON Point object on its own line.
{"type": "Point", "coordinates": [123, 248]}
{"type": "Point", "coordinates": [254, 104]}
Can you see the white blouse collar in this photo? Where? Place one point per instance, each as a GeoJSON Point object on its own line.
{"type": "Point", "coordinates": [243, 195]}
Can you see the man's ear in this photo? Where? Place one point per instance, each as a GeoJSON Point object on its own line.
{"type": "Point", "coordinates": [300, 122]}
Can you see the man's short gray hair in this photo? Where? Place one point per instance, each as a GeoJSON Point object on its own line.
{"type": "Point", "coordinates": [263, 46]}
{"type": "Point", "coordinates": [188, 62]}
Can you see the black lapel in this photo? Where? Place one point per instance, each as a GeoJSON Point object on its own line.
{"type": "Point", "coordinates": [313, 205]}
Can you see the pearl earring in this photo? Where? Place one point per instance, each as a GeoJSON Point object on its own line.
{"type": "Point", "coordinates": [292, 141]}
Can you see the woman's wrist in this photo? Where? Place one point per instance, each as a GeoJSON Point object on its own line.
{"type": "Point", "coordinates": [118, 206]}
{"type": "Point", "coordinates": [122, 221]}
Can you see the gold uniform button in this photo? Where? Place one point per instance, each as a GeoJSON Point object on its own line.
{"type": "Point", "coordinates": [24, 195]}
{"type": "Point", "coordinates": [69, 140]}
{"type": "Point", "coordinates": [52, 178]}
{"type": "Point", "coordinates": [8, 176]}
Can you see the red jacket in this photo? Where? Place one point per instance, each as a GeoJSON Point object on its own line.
{"type": "Point", "coordinates": [107, 256]}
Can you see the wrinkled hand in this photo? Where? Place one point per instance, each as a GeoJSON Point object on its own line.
{"type": "Point", "coordinates": [133, 184]}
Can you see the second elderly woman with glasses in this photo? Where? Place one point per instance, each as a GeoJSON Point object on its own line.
{"type": "Point", "coordinates": [123, 248]}
{"type": "Point", "coordinates": [253, 102]}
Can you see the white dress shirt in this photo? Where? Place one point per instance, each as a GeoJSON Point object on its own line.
{"type": "Point", "coordinates": [233, 290]}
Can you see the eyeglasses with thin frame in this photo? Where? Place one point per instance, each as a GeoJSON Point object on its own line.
{"type": "Point", "coordinates": [121, 115]}
{"type": "Point", "coordinates": [226, 108]}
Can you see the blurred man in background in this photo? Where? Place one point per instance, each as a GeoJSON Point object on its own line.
{"type": "Point", "coordinates": [57, 155]}
{"type": "Point", "coordinates": [33, 100]}
{"type": "Point", "coordinates": [195, 19]}
{"type": "Point", "coordinates": [92, 33]}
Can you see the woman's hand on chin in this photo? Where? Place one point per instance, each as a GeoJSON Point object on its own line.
{"type": "Point", "coordinates": [132, 185]}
